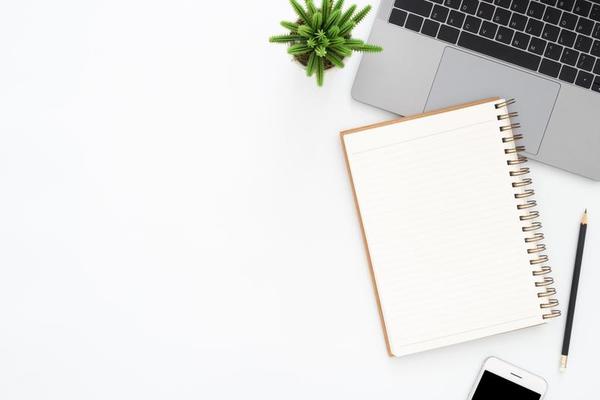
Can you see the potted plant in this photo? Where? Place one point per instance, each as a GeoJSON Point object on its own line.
{"type": "Point", "coordinates": [321, 38]}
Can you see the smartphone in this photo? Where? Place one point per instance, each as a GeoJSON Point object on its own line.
{"type": "Point", "coordinates": [501, 380]}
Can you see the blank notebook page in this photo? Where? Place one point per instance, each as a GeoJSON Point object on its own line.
{"type": "Point", "coordinates": [443, 232]}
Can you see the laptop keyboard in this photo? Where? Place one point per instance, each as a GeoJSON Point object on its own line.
{"type": "Point", "coordinates": [557, 38]}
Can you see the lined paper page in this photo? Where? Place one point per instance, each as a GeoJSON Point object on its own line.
{"type": "Point", "coordinates": [442, 229]}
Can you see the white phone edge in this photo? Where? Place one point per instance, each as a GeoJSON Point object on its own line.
{"type": "Point", "coordinates": [512, 373]}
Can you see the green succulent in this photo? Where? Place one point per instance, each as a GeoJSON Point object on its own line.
{"type": "Point", "coordinates": [322, 37]}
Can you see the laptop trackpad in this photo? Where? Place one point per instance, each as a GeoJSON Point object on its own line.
{"type": "Point", "coordinates": [463, 77]}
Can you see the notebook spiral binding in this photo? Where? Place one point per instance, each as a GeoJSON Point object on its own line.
{"type": "Point", "coordinates": [530, 226]}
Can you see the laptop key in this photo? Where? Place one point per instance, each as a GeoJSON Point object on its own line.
{"type": "Point", "coordinates": [566, 38]}
{"type": "Point", "coordinates": [535, 10]}
{"type": "Point", "coordinates": [521, 40]}
{"type": "Point", "coordinates": [569, 56]}
{"type": "Point", "coordinates": [398, 17]}
{"type": "Point", "coordinates": [469, 6]}
{"type": "Point", "coordinates": [419, 7]}
{"type": "Point", "coordinates": [430, 28]}
{"type": "Point", "coordinates": [501, 16]}
{"type": "Point", "coordinates": [567, 74]}
{"type": "Point", "coordinates": [551, 32]}
{"type": "Point", "coordinates": [596, 32]}
{"type": "Point", "coordinates": [500, 51]}
{"type": "Point", "coordinates": [502, 3]}
{"type": "Point", "coordinates": [566, 5]}
{"type": "Point", "coordinates": [537, 46]}
{"type": "Point", "coordinates": [440, 13]}
{"type": "Point", "coordinates": [448, 34]}
{"type": "Point", "coordinates": [552, 15]}
{"type": "Point", "coordinates": [452, 3]}
{"type": "Point", "coordinates": [488, 29]}
{"type": "Point", "coordinates": [595, 13]}
{"type": "Point", "coordinates": [534, 27]}
{"type": "Point", "coordinates": [518, 22]}
{"type": "Point", "coordinates": [584, 79]}
{"type": "Point", "coordinates": [485, 11]}
{"type": "Point", "coordinates": [519, 6]}
{"type": "Point", "coordinates": [597, 67]}
{"type": "Point", "coordinates": [456, 19]}
{"type": "Point", "coordinates": [596, 84]}
{"type": "Point", "coordinates": [472, 24]}
{"type": "Point", "coordinates": [586, 62]}
{"type": "Point", "coordinates": [596, 48]}
{"type": "Point", "coordinates": [550, 68]}
{"type": "Point", "coordinates": [414, 22]}
{"type": "Point", "coordinates": [582, 8]}
{"type": "Point", "coordinates": [583, 43]}
{"type": "Point", "coordinates": [504, 35]}
{"type": "Point", "coordinates": [549, 2]}
{"type": "Point", "coordinates": [553, 51]}
{"type": "Point", "coordinates": [568, 21]}
{"type": "Point", "coordinates": [584, 26]}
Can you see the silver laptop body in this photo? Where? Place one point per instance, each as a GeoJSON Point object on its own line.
{"type": "Point", "coordinates": [417, 73]}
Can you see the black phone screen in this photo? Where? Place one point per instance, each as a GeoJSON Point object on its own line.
{"type": "Point", "coordinates": [492, 387]}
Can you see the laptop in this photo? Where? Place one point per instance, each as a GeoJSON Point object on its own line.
{"type": "Point", "coordinates": [545, 53]}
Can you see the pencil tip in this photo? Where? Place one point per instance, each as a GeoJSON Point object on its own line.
{"type": "Point", "coordinates": [585, 218]}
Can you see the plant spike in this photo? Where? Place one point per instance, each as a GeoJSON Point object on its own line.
{"type": "Point", "coordinates": [338, 5]}
{"type": "Point", "coordinates": [310, 6]}
{"type": "Point", "coordinates": [342, 50]}
{"type": "Point", "coordinates": [317, 20]}
{"type": "Point", "coordinates": [368, 48]}
{"type": "Point", "coordinates": [306, 31]}
{"type": "Point", "coordinates": [361, 14]}
{"type": "Point", "coordinates": [292, 26]}
{"type": "Point", "coordinates": [347, 15]}
{"type": "Point", "coordinates": [311, 64]}
{"type": "Point", "coordinates": [285, 38]}
{"type": "Point", "coordinates": [337, 46]}
{"type": "Point", "coordinates": [300, 12]}
{"type": "Point", "coordinates": [325, 4]}
{"type": "Point", "coordinates": [334, 17]}
{"type": "Point", "coordinates": [351, 42]}
{"type": "Point", "coordinates": [334, 32]}
{"type": "Point", "coordinates": [320, 71]}
{"type": "Point", "coordinates": [346, 28]}
{"type": "Point", "coordinates": [335, 60]}
{"type": "Point", "coordinates": [298, 49]}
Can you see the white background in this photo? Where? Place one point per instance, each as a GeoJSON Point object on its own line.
{"type": "Point", "coordinates": [176, 221]}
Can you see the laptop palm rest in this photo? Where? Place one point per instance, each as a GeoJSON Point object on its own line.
{"type": "Point", "coordinates": [464, 77]}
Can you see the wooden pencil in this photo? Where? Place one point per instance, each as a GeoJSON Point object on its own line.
{"type": "Point", "coordinates": [573, 296]}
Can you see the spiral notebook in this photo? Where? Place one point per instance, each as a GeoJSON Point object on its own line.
{"type": "Point", "coordinates": [450, 226]}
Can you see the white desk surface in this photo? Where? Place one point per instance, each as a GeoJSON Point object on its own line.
{"type": "Point", "coordinates": [176, 221]}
